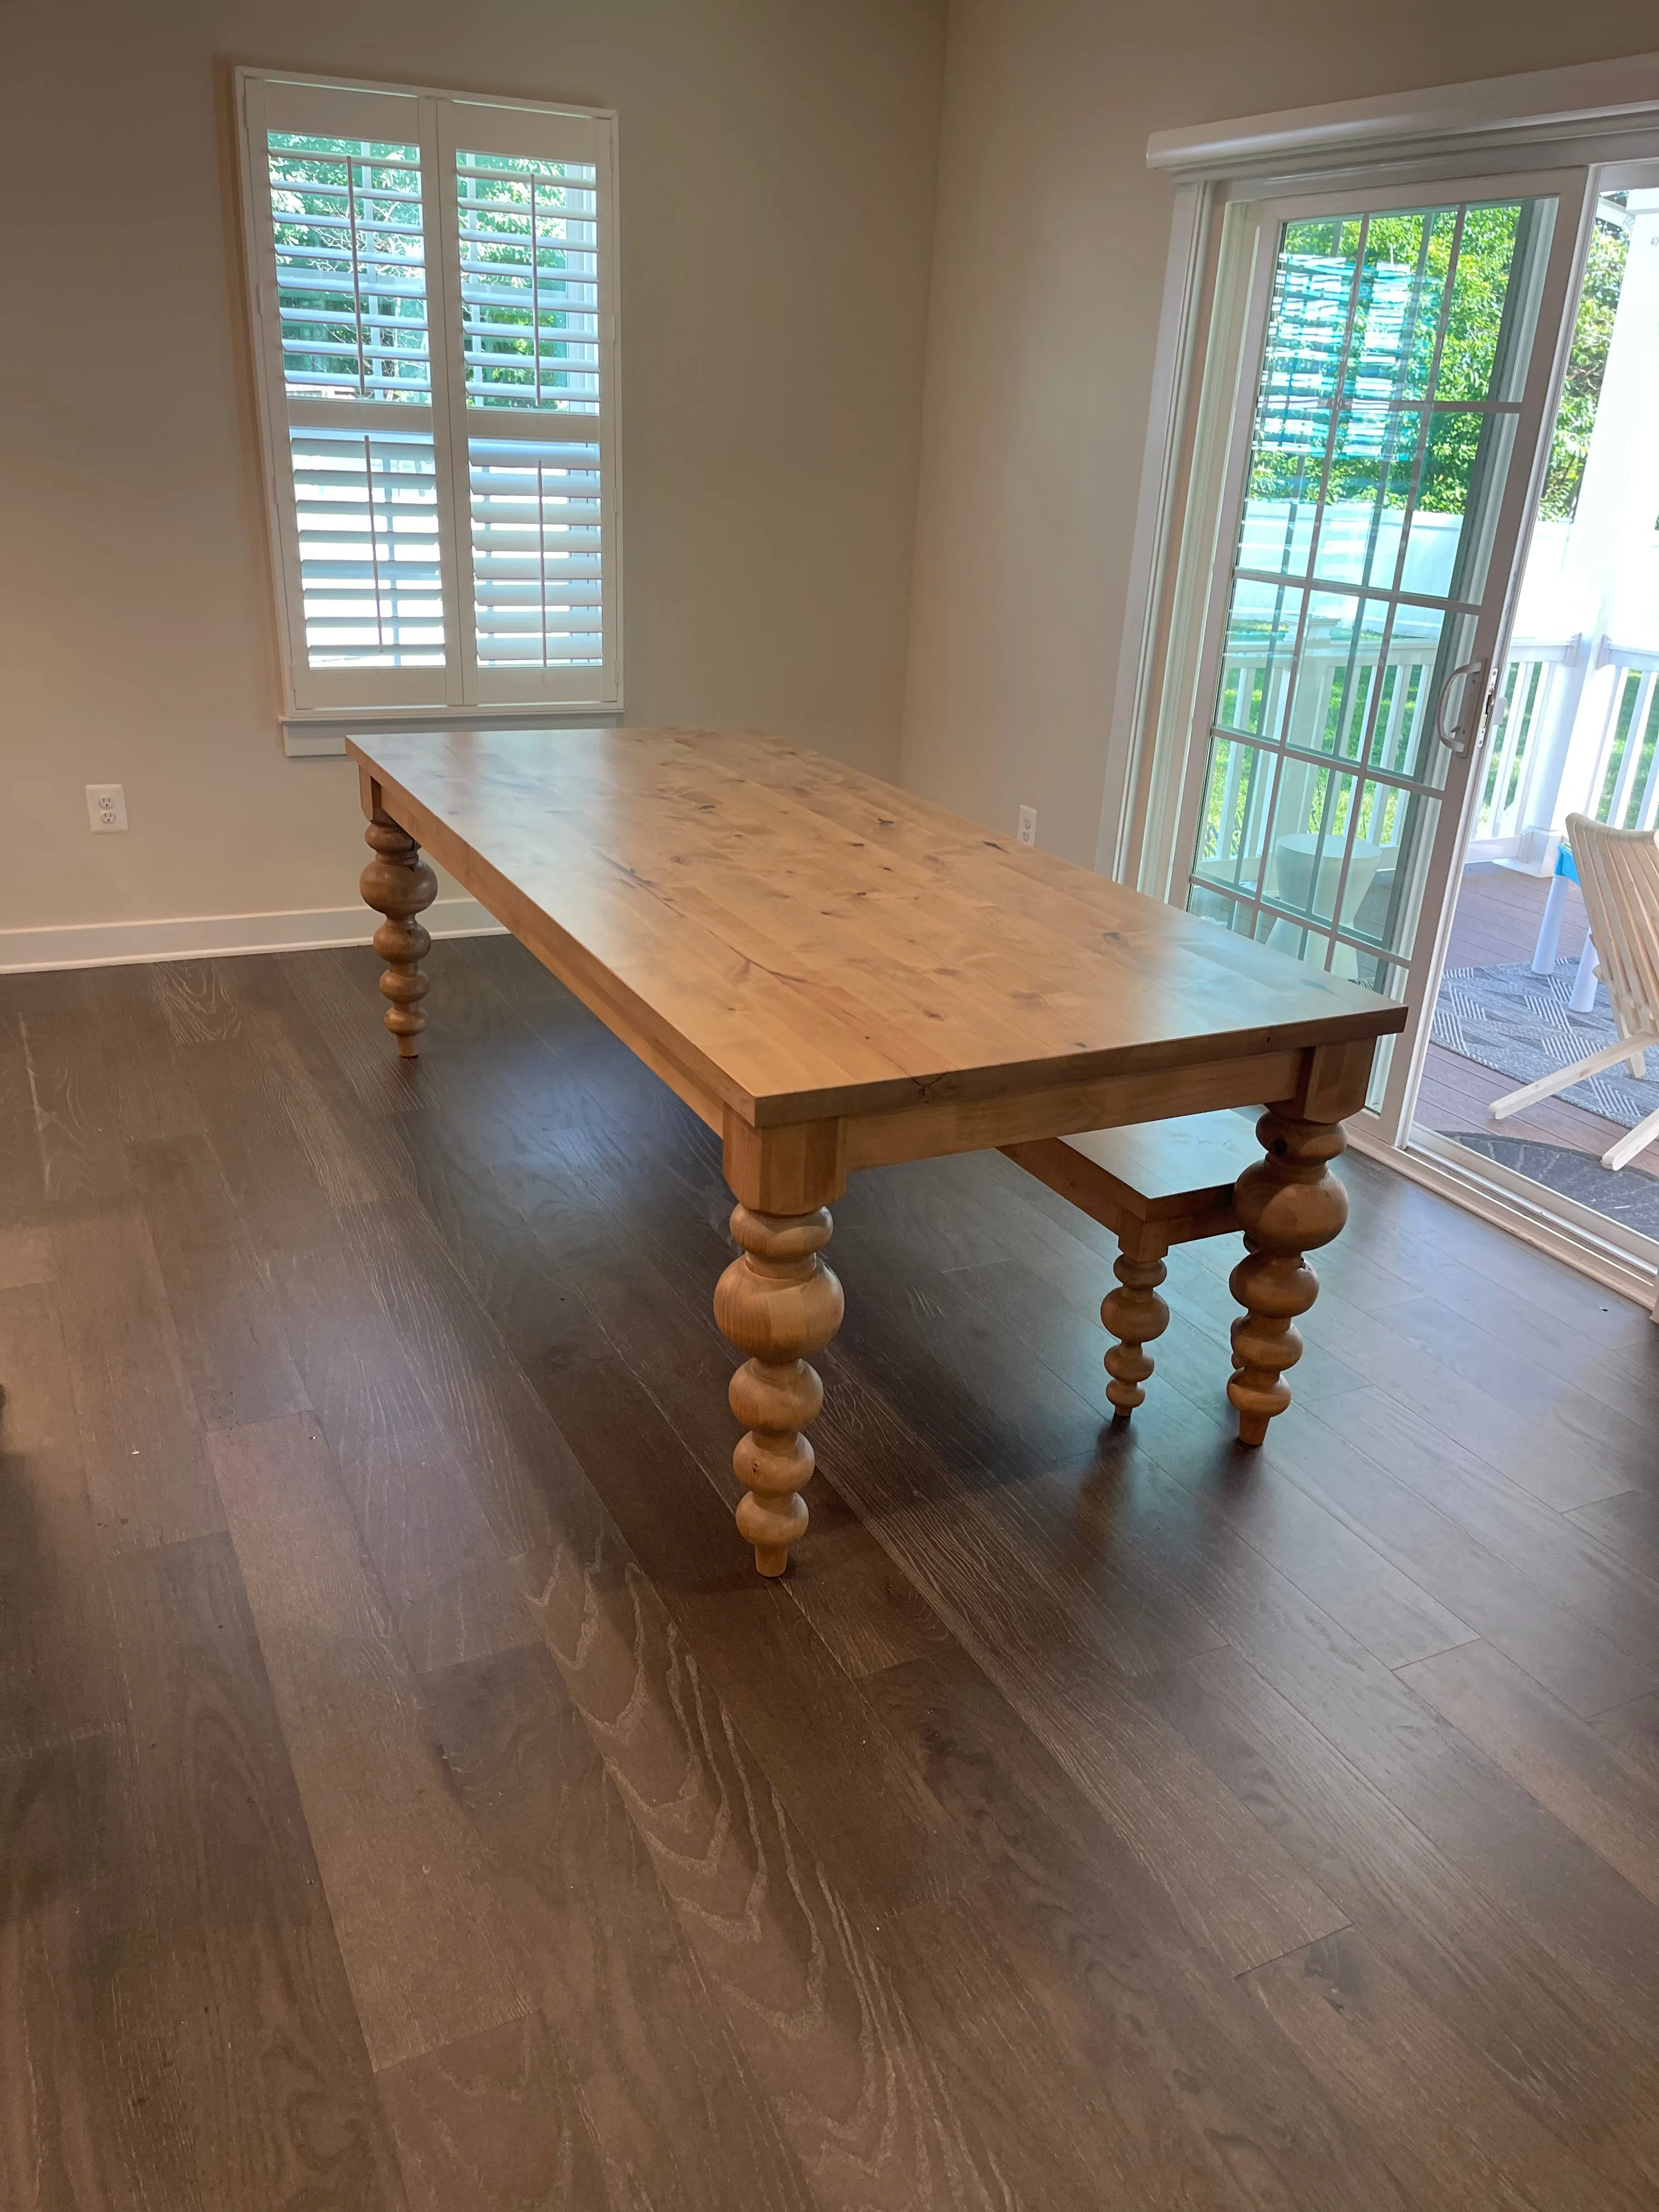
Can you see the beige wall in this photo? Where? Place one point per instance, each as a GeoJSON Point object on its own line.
{"type": "Point", "coordinates": [778, 162]}
{"type": "Point", "coordinates": [1047, 279]}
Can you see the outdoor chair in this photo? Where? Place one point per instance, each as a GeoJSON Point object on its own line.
{"type": "Point", "coordinates": [1619, 874]}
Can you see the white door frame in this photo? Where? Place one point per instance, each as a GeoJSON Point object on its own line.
{"type": "Point", "coordinates": [1601, 117]}
{"type": "Point", "coordinates": [1257, 242]}
{"type": "Point", "coordinates": [1599, 113]}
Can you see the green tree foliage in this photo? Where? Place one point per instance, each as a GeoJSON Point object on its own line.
{"type": "Point", "coordinates": [1405, 265]}
{"type": "Point", "coordinates": [346, 218]}
{"type": "Point", "coordinates": [1592, 333]}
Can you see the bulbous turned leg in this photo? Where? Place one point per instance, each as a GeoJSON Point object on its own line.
{"type": "Point", "coordinates": [778, 1303]}
{"type": "Point", "coordinates": [1135, 1314]}
{"type": "Point", "coordinates": [1288, 1204]}
{"type": "Point", "coordinates": [399, 883]}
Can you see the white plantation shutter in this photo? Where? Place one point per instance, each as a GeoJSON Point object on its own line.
{"type": "Point", "coordinates": [432, 307]}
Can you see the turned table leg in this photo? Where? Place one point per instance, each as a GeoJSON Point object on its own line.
{"type": "Point", "coordinates": [1135, 1315]}
{"type": "Point", "coordinates": [399, 883]}
{"type": "Point", "coordinates": [777, 1303]}
{"type": "Point", "coordinates": [1288, 1204]}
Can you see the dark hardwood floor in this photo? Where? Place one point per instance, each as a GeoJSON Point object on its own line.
{"type": "Point", "coordinates": [410, 1797]}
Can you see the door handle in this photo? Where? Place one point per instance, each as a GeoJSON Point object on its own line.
{"type": "Point", "coordinates": [1471, 674]}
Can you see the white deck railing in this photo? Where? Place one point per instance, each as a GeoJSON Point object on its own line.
{"type": "Point", "coordinates": [1333, 726]}
{"type": "Point", "coordinates": [1531, 692]}
{"type": "Point", "coordinates": [1577, 735]}
{"type": "Point", "coordinates": [1579, 731]}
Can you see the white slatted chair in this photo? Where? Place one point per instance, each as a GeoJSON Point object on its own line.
{"type": "Point", "coordinates": [1618, 873]}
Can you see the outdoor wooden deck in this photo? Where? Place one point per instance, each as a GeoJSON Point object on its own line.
{"type": "Point", "coordinates": [1497, 920]}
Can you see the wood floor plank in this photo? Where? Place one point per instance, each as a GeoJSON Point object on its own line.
{"type": "Point", "coordinates": [141, 1432]}
{"type": "Point", "coordinates": [139, 1072]}
{"type": "Point", "coordinates": [1482, 1971]}
{"type": "Point", "coordinates": [229, 1336]}
{"type": "Point", "coordinates": [91, 2112]}
{"type": "Point", "coordinates": [997, 1417]}
{"type": "Point", "coordinates": [1368, 2039]}
{"type": "Point", "coordinates": [1590, 1920]}
{"type": "Point", "coordinates": [664, 1332]}
{"type": "Point", "coordinates": [83, 1155]}
{"type": "Point", "coordinates": [1612, 1419]}
{"type": "Point", "coordinates": [264, 2034]}
{"type": "Point", "coordinates": [489, 2125]}
{"type": "Point", "coordinates": [860, 1604]}
{"type": "Point", "coordinates": [25, 1256]}
{"type": "Point", "coordinates": [878, 2116]}
{"type": "Point", "coordinates": [860, 1804]}
{"type": "Point", "coordinates": [1568, 1337]}
{"type": "Point", "coordinates": [1626, 1527]}
{"type": "Point", "coordinates": [58, 1673]}
{"type": "Point", "coordinates": [429, 1961]}
{"type": "Point", "coordinates": [1634, 1728]}
{"type": "Point", "coordinates": [478, 1613]}
{"type": "Point", "coordinates": [292, 1157]}
{"type": "Point", "coordinates": [340, 991]}
{"type": "Point", "coordinates": [530, 1299]}
{"type": "Point", "coordinates": [675, 2114]}
{"type": "Point", "coordinates": [1412, 1231]}
{"type": "Point", "coordinates": [1383, 1606]}
{"type": "Point", "coordinates": [353, 1137]}
{"type": "Point", "coordinates": [195, 1000]}
{"type": "Point", "coordinates": [1030, 1623]}
{"type": "Point", "coordinates": [1354, 1473]}
{"type": "Point", "coordinates": [22, 1170]}
{"type": "Point", "coordinates": [1095, 1815]}
{"type": "Point", "coordinates": [409, 1486]}
{"type": "Point", "coordinates": [1568, 1451]}
{"type": "Point", "coordinates": [1054, 2095]}
{"type": "Point", "coordinates": [1217, 2109]}
{"type": "Point", "coordinates": [518, 1467]}
{"type": "Point", "coordinates": [1554, 1756]}
{"type": "Point", "coordinates": [1555, 1552]}
{"type": "Point", "coordinates": [602, 1084]}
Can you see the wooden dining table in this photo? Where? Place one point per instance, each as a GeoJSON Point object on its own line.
{"type": "Point", "coordinates": [836, 974]}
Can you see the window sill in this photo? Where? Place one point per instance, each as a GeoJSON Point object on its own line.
{"type": "Point", "coordinates": [322, 736]}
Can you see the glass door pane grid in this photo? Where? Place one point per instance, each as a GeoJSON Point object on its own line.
{"type": "Point", "coordinates": [1375, 961]}
{"type": "Point", "coordinates": [1348, 694]}
{"type": "Point", "coordinates": [1347, 588]}
{"type": "Point", "coordinates": [1339, 400]}
{"type": "Point", "coordinates": [1371, 708]}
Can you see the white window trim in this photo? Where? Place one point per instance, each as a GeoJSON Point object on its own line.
{"type": "Point", "coordinates": [311, 729]}
{"type": "Point", "coordinates": [1601, 112]}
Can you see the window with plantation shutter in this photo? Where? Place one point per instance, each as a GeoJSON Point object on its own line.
{"type": "Point", "coordinates": [433, 280]}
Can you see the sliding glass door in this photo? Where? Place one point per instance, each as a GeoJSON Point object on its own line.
{"type": "Point", "coordinates": [1399, 352]}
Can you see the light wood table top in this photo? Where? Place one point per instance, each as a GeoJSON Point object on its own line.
{"type": "Point", "coordinates": [789, 939]}
{"type": "Point", "coordinates": [836, 974]}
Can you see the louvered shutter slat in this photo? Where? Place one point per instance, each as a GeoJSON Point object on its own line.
{"type": "Point", "coordinates": [538, 571]}
{"type": "Point", "coordinates": [472, 534]}
{"type": "Point", "coordinates": [367, 525]}
{"type": "Point", "coordinates": [529, 251]}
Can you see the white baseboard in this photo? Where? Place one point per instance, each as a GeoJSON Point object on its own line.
{"type": "Point", "coordinates": [112, 944]}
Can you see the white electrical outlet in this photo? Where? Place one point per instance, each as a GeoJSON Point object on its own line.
{"type": "Point", "coordinates": [1028, 825]}
{"type": "Point", "coordinates": [107, 805]}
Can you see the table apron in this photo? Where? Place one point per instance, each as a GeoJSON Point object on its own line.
{"type": "Point", "coordinates": [925, 1132]}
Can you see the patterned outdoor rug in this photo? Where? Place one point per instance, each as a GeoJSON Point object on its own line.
{"type": "Point", "coordinates": [1521, 1025]}
{"type": "Point", "coordinates": [1630, 1196]}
